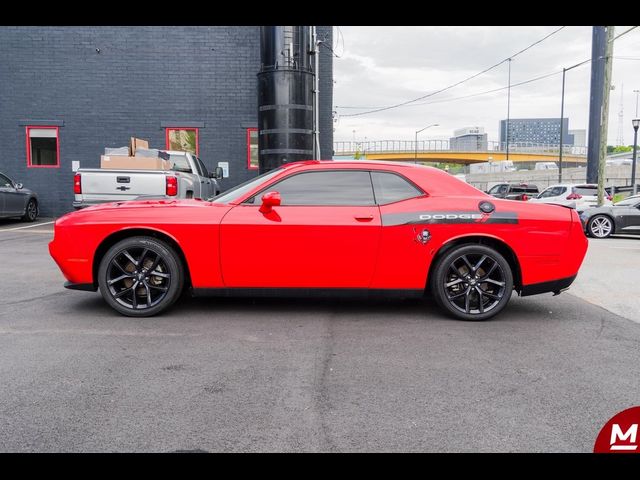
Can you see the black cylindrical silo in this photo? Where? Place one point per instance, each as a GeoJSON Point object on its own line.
{"type": "Point", "coordinates": [285, 96]}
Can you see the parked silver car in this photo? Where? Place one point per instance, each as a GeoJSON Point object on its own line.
{"type": "Point", "coordinates": [17, 201]}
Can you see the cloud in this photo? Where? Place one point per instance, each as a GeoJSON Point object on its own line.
{"type": "Point", "coordinates": [382, 66]}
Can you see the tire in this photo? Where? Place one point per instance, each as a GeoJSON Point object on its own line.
{"type": "Point", "coordinates": [126, 283]}
{"type": "Point", "coordinates": [457, 279]}
{"type": "Point", "coordinates": [31, 212]}
{"type": "Point", "coordinates": [600, 226]}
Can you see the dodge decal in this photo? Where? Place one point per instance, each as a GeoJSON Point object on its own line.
{"type": "Point", "coordinates": [429, 218]}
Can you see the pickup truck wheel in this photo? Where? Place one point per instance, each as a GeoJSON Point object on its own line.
{"type": "Point", "coordinates": [472, 282]}
{"type": "Point", "coordinates": [140, 276]}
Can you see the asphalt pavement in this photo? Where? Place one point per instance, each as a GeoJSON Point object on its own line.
{"type": "Point", "coordinates": [299, 375]}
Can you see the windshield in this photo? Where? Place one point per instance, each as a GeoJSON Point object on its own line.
{"type": "Point", "coordinates": [240, 190]}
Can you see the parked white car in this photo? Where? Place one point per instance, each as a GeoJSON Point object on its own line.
{"type": "Point", "coordinates": [576, 195]}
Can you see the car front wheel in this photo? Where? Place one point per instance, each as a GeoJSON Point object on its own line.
{"type": "Point", "coordinates": [140, 276]}
{"type": "Point", "coordinates": [600, 226]}
{"type": "Point", "coordinates": [472, 282]}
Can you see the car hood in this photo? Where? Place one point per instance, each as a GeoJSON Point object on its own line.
{"type": "Point", "coordinates": [146, 211]}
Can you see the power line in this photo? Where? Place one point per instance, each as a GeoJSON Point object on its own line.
{"type": "Point", "coordinates": [624, 33]}
{"type": "Point", "coordinates": [477, 94]}
{"type": "Point", "coordinates": [457, 83]}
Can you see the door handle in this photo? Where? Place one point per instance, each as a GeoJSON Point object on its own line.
{"type": "Point", "coordinates": [364, 218]}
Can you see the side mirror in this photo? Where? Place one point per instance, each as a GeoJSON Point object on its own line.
{"type": "Point", "coordinates": [18, 186]}
{"type": "Point", "coordinates": [270, 200]}
{"type": "Point", "coordinates": [219, 173]}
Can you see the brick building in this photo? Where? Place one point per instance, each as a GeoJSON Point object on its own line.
{"type": "Point", "coordinates": [66, 93]}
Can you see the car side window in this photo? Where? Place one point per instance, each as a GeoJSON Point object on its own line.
{"type": "Point", "coordinates": [390, 188]}
{"type": "Point", "coordinates": [498, 189]}
{"type": "Point", "coordinates": [345, 188]}
{"type": "Point", "coordinates": [5, 182]}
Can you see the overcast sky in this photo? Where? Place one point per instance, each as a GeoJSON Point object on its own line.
{"type": "Point", "coordinates": [380, 66]}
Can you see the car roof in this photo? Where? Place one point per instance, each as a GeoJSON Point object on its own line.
{"type": "Point", "coordinates": [358, 163]}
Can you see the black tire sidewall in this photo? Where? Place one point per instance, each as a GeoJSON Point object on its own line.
{"type": "Point", "coordinates": [170, 258]}
{"type": "Point", "coordinates": [591, 223]}
{"type": "Point", "coordinates": [438, 289]}
{"type": "Point", "coordinates": [26, 211]}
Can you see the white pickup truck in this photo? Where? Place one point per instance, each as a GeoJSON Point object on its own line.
{"type": "Point", "coordinates": [188, 178]}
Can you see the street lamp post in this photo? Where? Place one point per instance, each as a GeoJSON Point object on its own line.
{"type": "Point", "coordinates": [416, 140]}
{"type": "Point", "coordinates": [636, 124]}
{"type": "Point", "coordinates": [564, 71]}
{"type": "Point", "coordinates": [636, 92]}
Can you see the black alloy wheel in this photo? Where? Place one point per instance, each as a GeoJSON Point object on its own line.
{"type": "Point", "coordinates": [141, 276]}
{"type": "Point", "coordinates": [472, 282]}
{"type": "Point", "coordinates": [31, 212]}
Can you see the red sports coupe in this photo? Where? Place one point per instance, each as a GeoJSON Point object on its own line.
{"type": "Point", "coordinates": [325, 228]}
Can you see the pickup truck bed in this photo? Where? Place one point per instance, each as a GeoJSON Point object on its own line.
{"type": "Point", "coordinates": [189, 178]}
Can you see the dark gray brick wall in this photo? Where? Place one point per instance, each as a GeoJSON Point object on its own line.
{"type": "Point", "coordinates": [143, 76]}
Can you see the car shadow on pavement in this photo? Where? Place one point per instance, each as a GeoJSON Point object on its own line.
{"type": "Point", "coordinates": [376, 309]}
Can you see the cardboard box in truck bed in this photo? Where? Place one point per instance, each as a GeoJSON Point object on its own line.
{"type": "Point", "coordinates": [121, 162]}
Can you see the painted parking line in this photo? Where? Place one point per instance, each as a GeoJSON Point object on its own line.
{"type": "Point", "coordinates": [27, 226]}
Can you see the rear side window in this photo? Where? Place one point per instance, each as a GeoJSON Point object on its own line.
{"type": "Point", "coordinates": [553, 192]}
{"type": "Point", "coordinates": [584, 190]}
{"type": "Point", "coordinates": [179, 163]}
{"type": "Point", "coordinates": [390, 188]}
{"type": "Point", "coordinates": [326, 188]}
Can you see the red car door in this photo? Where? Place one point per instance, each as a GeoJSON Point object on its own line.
{"type": "Point", "coordinates": [325, 234]}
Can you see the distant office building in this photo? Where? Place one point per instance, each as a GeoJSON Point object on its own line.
{"type": "Point", "coordinates": [536, 130]}
{"type": "Point", "coordinates": [579, 137]}
{"type": "Point", "coordinates": [469, 139]}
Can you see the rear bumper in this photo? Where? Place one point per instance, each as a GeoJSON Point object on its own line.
{"type": "Point", "coordinates": [555, 286]}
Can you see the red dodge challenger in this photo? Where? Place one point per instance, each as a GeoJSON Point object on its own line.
{"type": "Point", "coordinates": [325, 228]}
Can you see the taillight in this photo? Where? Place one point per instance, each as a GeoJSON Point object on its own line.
{"type": "Point", "coordinates": [77, 184]}
{"type": "Point", "coordinates": [524, 197]}
{"type": "Point", "coordinates": [172, 186]}
{"type": "Point", "coordinates": [574, 196]}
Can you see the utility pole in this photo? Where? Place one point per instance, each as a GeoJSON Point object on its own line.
{"type": "Point", "coordinates": [620, 136]}
{"type": "Point", "coordinates": [598, 47]}
{"type": "Point", "coordinates": [604, 119]}
{"type": "Point", "coordinates": [636, 92]}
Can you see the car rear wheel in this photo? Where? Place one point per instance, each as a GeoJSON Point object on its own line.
{"type": "Point", "coordinates": [141, 276]}
{"type": "Point", "coordinates": [600, 226]}
{"type": "Point", "coordinates": [472, 282]}
{"type": "Point", "coordinates": [31, 212]}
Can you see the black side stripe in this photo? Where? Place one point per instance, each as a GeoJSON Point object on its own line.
{"type": "Point", "coordinates": [447, 217]}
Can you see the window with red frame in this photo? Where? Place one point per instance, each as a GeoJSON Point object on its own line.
{"type": "Point", "coordinates": [252, 148]}
{"type": "Point", "coordinates": [183, 139]}
{"type": "Point", "coordinates": [43, 149]}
